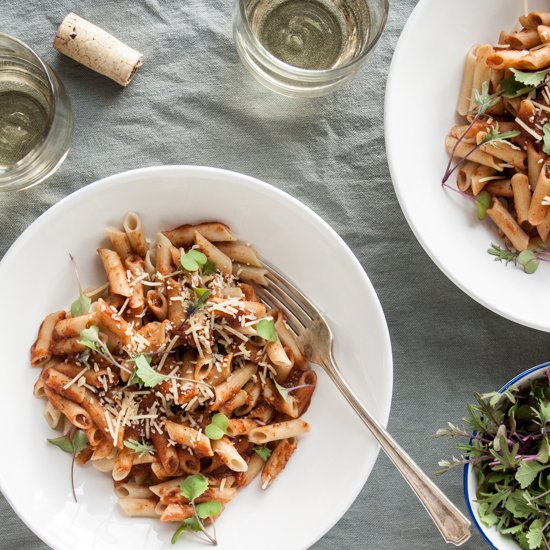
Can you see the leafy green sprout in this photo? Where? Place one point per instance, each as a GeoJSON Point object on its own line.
{"type": "Point", "coordinates": [263, 452]}
{"type": "Point", "coordinates": [529, 260]}
{"type": "Point", "coordinates": [217, 427]}
{"type": "Point", "coordinates": [192, 488]}
{"type": "Point", "coordinates": [202, 294]}
{"type": "Point", "coordinates": [89, 338]}
{"type": "Point", "coordinates": [192, 260]}
{"type": "Point", "coordinates": [73, 442]}
{"type": "Point", "coordinates": [266, 330]}
{"type": "Point", "coordinates": [82, 304]}
{"type": "Point", "coordinates": [141, 448]}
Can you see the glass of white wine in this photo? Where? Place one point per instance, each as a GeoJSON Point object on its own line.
{"type": "Point", "coordinates": [306, 48]}
{"type": "Point", "coordinates": [36, 118]}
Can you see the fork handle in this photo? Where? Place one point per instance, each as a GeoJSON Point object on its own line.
{"type": "Point", "coordinates": [452, 524]}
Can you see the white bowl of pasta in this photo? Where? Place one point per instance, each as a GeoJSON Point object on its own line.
{"type": "Point", "coordinates": [171, 370]}
{"type": "Point", "coordinates": [501, 181]}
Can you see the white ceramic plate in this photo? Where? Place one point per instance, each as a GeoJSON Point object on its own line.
{"type": "Point", "coordinates": [36, 278]}
{"type": "Point", "coordinates": [421, 98]}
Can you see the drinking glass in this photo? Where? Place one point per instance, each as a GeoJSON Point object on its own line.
{"type": "Point", "coordinates": [36, 118]}
{"type": "Point", "coordinates": [306, 48]}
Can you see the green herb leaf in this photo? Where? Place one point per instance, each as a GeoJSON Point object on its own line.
{"type": "Point", "coordinates": [487, 516]}
{"type": "Point", "coordinates": [518, 505]}
{"type": "Point", "coordinates": [527, 473]}
{"type": "Point", "coordinates": [209, 268]}
{"type": "Point", "coordinates": [89, 337]}
{"type": "Point", "coordinates": [483, 99]}
{"type": "Point", "coordinates": [80, 442]}
{"type": "Point", "coordinates": [546, 131]}
{"type": "Point", "coordinates": [81, 306]}
{"type": "Point", "coordinates": [530, 79]}
{"type": "Point", "coordinates": [64, 443]}
{"type": "Point", "coordinates": [146, 373]}
{"type": "Point", "coordinates": [263, 452]}
{"type": "Point", "coordinates": [178, 532]}
{"type": "Point", "coordinates": [511, 88]}
{"type": "Point", "coordinates": [217, 427]}
{"type": "Point", "coordinates": [266, 330]}
{"type": "Point", "coordinates": [209, 509]}
{"type": "Point", "coordinates": [534, 535]}
{"type": "Point", "coordinates": [200, 292]}
{"type": "Point", "coordinates": [512, 530]}
{"type": "Point", "coordinates": [139, 447]}
{"type": "Point", "coordinates": [192, 260]}
{"type": "Point", "coordinates": [192, 523]}
{"type": "Point", "coordinates": [193, 486]}
{"type": "Point", "coordinates": [483, 202]}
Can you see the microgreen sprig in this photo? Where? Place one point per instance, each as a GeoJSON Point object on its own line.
{"type": "Point", "coordinates": [484, 101]}
{"type": "Point", "coordinates": [192, 488]}
{"type": "Point", "coordinates": [89, 338]}
{"type": "Point", "coordinates": [266, 330]}
{"type": "Point", "coordinates": [263, 452]}
{"type": "Point", "coordinates": [82, 304]}
{"type": "Point", "coordinates": [217, 427]}
{"type": "Point", "coordinates": [283, 392]}
{"type": "Point", "coordinates": [527, 259]}
{"type": "Point", "coordinates": [202, 295]}
{"type": "Point", "coordinates": [141, 448]}
{"type": "Point", "coordinates": [192, 260]}
{"type": "Point", "coordinates": [73, 442]}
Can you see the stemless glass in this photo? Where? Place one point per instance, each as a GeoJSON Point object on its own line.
{"type": "Point", "coordinates": [358, 25]}
{"type": "Point", "coordinates": [29, 159]}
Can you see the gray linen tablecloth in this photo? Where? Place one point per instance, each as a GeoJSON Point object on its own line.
{"type": "Point", "coordinates": [194, 103]}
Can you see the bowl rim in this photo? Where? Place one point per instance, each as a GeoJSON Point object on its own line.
{"type": "Point", "coordinates": [250, 182]}
{"type": "Point", "coordinates": [468, 471]}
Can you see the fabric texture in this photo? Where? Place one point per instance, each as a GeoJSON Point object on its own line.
{"type": "Point", "coordinates": [194, 103]}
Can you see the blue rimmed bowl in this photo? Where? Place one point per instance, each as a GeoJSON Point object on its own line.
{"type": "Point", "coordinates": [490, 534]}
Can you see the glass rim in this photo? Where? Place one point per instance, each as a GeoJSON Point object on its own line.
{"type": "Point", "coordinates": [53, 93]}
{"type": "Point", "coordinates": [312, 73]}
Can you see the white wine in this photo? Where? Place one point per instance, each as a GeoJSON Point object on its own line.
{"type": "Point", "coordinates": [311, 34]}
{"type": "Point", "coordinates": [23, 113]}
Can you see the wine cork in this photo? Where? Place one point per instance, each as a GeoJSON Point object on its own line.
{"type": "Point", "coordinates": [96, 49]}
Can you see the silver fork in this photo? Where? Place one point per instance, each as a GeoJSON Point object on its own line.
{"type": "Point", "coordinates": [315, 338]}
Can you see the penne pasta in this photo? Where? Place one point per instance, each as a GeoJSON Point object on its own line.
{"type": "Point", "coordinates": [116, 274]}
{"type": "Point", "coordinates": [280, 430]}
{"type": "Point", "coordinates": [40, 351]}
{"type": "Point", "coordinates": [134, 231]}
{"type": "Point", "coordinates": [508, 225]}
{"type": "Point", "coordinates": [214, 254]}
{"type": "Point", "coordinates": [537, 210]}
{"type": "Point", "coordinates": [229, 455]}
{"type": "Point", "coordinates": [278, 460]}
{"type": "Point", "coordinates": [119, 243]}
{"type": "Point", "coordinates": [184, 235]}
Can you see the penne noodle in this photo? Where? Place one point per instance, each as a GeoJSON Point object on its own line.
{"type": "Point", "coordinates": [177, 512]}
{"type": "Point", "coordinates": [239, 426]}
{"type": "Point", "coordinates": [482, 72]}
{"type": "Point", "coordinates": [116, 274]}
{"type": "Point", "coordinates": [124, 461]}
{"type": "Point", "coordinates": [535, 161]}
{"type": "Point", "coordinates": [508, 225]}
{"type": "Point", "coordinates": [237, 401]}
{"type": "Point", "coordinates": [464, 175]}
{"type": "Point", "coordinates": [255, 466]}
{"type": "Point", "coordinates": [501, 188]}
{"type": "Point", "coordinates": [254, 391]}
{"type": "Point", "coordinates": [108, 318]}
{"type": "Point", "coordinates": [119, 243]}
{"type": "Point", "coordinates": [226, 390]}
{"type": "Point", "coordinates": [136, 266]}
{"type": "Point", "coordinates": [214, 254]}
{"type": "Point", "coordinates": [543, 229]}
{"type": "Point", "coordinates": [280, 430]}
{"type": "Point", "coordinates": [168, 455]}
{"type": "Point", "coordinates": [40, 350]}
{"type": "Point", "coordinates": [537, 210]}
{"type": "Point", "coordinates": [250, 274]}
{"type": "Point", "coordinates": [105, 465]}
{"type": "Point", "coordinates": [525, 60]}
{"type": "Point", "coordinates": [544, 33]}
{"type": "Point", "coordinates": [463, 106]}
{"type": "Point", "coordinates": [288, 406]}
{"type": "Point", "coordinates": [163, 255]}
{"type": "Point", "coordinates": [138, 507]}
{"type": "Point", "coordinates": [277, 355]}
{"type": "Point", "coordinates": [158, 304]}
{"type": "Point", "coordinates": [229, 455]}
{"type": "Point", "coordinates": [72, 327]}
{"type": "Point", "coordinates": [52, 415]}
{"type": "Point", "coordinates": [67, 346]}
{"type": "Point", "coordinates": [184, 235]}
{"type": "Point", "coordinates": [184, 435]}
{"type": "Point", "coordinates": [534, 19]}
{"type": "Point", "coordinates": [278, 460]}
{"type": "Point", "coordinates": [522, 40]}
{"type": "Point", "coordinates": [134, 231]}
{"type": "Point", "coordinates": [522, 196]}
{"type": "Point", "coordinates": [480, 178]}
{"type": "Point", "coordinates": [103, 450]}
{"type": "Point", "coordinates": [75, 413]}
{"type": "Point", "coordinates": [241, 253]}
{"type": "Point", "coordinates": [176, 311]}
{"type": "Point", "coordinates": [132, 490]}
{"type": "Point", "coordinates": [464, 150]}
{"type": "Point", "coordinates": [504, 151]}
{"type": "Point", "coordinates": [189, 463]}
{"type": "Point", "coordinates": [289, 341]}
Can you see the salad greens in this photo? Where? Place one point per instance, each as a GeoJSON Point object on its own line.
{"type": "Point", "coordinates": [508, 446]}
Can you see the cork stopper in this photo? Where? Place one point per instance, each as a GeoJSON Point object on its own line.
{"type": "Point", "coordinates": [96, 49]}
